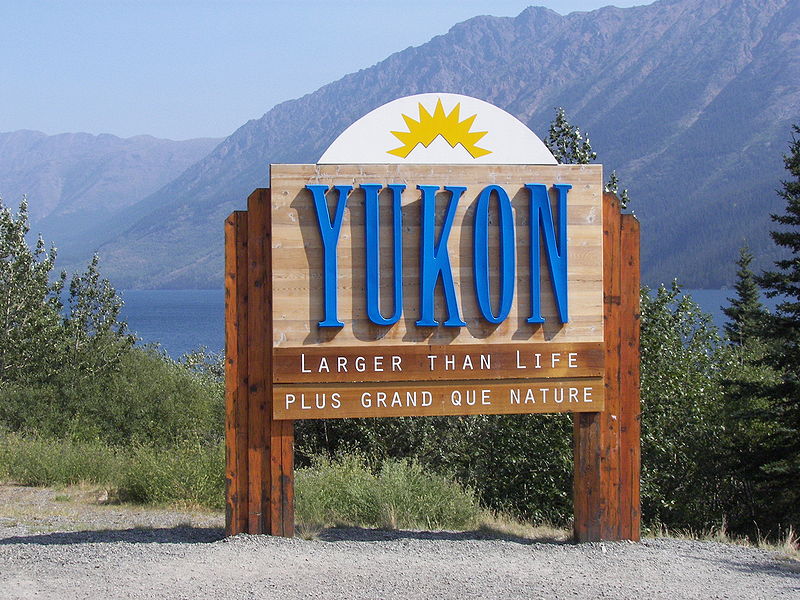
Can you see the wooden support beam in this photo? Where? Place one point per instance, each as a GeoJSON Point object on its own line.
{"type": "Point", "coordinates": [607, 446]}
{"type": "Point", "coordinates": [269, 460]}
{"type": "Point", "coordinates": [236, 392]}
{"type": "Point", "coordinates": [630, 415]}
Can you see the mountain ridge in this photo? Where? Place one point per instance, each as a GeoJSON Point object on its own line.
{"type": "Point", "coordinates": [689, 101]}
{"type": "Point", "coordinates": [77, 183]}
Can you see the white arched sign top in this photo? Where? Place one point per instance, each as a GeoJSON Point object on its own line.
{"type": "Point", "coordinates": [438, 129]}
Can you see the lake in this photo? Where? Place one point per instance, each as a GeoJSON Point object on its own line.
{"type": "Point", "coordinates": [184, 320]}
{"type": "Point", "coordinates": [179, 320]}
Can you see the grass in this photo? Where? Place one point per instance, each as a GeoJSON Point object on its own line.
{"type": "Point", "coordinates": [343, 492]}
{"type": "Point", "coordinates": [504, 526]}
{"type": "Point", "coordinates": [39, 461]}
{"type": "Point", "coordinates": [787, 544]}
{"type": "Point", "coordinates": [187, 476]}
{"type": "Point", "coordinates": [347, 491]}
{"type": "Point", "coordinates": [399, 494]}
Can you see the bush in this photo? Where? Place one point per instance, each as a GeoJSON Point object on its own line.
{"type": "Point", "coordinates": [41, 461]}
{"type": "Point", "coordinates": [192, 475]}
{"type": "Point", "coordinates": [516, 464]}
{"type": "Point", "coordinates": [398, 494]}
{"type": "Point", "coordinates": [149, 400]}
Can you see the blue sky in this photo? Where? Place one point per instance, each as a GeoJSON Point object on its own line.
{"type": "Point", "coordinates": [188, 68]}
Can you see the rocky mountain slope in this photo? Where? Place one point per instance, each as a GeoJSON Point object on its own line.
{"type": "Point", "coordinates": [77, 183]}
{"type": "Point", "coordinates": [690, 101]}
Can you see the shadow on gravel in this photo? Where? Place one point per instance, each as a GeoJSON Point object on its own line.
{"type": "Point", "coordinates": [355, 534]}
{"type": "Point", "coordinates": [137, 535]}
{"type": "Point", "coordinates": [777, 567]}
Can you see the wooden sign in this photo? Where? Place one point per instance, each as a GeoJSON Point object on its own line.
{"type": "Point", "coordinates": [432, 279]}
{"type": "Point", "coordinates": [445, 332]}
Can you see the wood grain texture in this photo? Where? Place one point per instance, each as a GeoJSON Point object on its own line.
{"type": "Point", "coordinates": [282, 478]}
{"type": "Point", "coordinates": [259, 354]}
{"type": "Point", "coordinates": [607, 445]}
{"type": "Point", "coordinates": [612, 258]}
{"type": "Point", "coordinates": [338, 401]}
{"type": "Point", "coordinates": [297, 256]}
{"type": "Point", "coordinates": [587, 488]}
{"type": "Point", "coordinates": [630, 411]}
{"type": "Point", "coordinates": [236, 393]}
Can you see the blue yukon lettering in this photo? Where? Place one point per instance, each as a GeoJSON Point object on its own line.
{"type": "Point", "coordinates": [372, 242]}
{"type": "Point", "coordinates": [480, 264]}
{"type": "Point", "coordinates": [435, 259]}
{"type": "Point", "coordinates": [329, 230]}
{"type": "Point", "coordinates": [556, 249]}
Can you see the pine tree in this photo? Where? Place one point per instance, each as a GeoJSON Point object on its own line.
{"type": "Point", "coordinates": [781, 457]}
{"type": "Point", "coordinates": [613, 187]}
{"type": "Point", "coordinates": [746, 312]}
{"type": "Point", "coordinates": [567, 143]}
{"type": "Point", "coordinates": [570, 147]}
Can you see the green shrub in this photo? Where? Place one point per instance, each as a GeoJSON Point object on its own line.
{"type": "Point", "coordinates": [42, 461]}
{"type": "Point", "coordinates": [188, 474]}
{"type": "Point", "coordinates": [400, 494]}
{"type": "Point", "coordinates": [516, 464]}
{"type": "Point", "coordinates": [149, 400]}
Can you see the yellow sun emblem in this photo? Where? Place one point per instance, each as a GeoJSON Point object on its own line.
{"type": "Point", "coordinates": [429, 127]}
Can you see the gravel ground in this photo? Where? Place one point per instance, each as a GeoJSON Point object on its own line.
{"type": "Point", "coordinates": [66, 545]}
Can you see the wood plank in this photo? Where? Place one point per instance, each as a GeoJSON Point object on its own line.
{"type": "Point", "coordinates": [338, 401]}
{"type": "Point", "coordinates": [282, 461]}
{"type": "Point", "coordinates": [630, 410]}
{"type": "Point", "coordinates": [236, 373]}
{"type": "Point", "coordinates": [613, 316]}
{"type": "Point", "coordinates": [587, 492]}
{"type": "Point", "coordinates": [297, 256]}
{"type": "Point", "coordinates": [258, 319]}
{"type": "Point", "coordinates": [420, 362]}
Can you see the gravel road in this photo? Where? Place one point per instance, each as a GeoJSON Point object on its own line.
{"type": "Point", "coordinates": [77, 549]}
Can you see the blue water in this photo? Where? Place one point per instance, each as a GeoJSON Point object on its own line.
{"type": "Point", "coordinates": [183, 320]}
{"type": "Point", "coordinates": [179, 320]}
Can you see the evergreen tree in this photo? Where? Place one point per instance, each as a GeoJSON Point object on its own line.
{"type": "Point", "coordinates": [567, 143]}
{"type": "Point", "coordinates": [613, 187]}
{"type": "Point", "coordinates": [746, 312]}
{"type": "Point", "coordinates": [569, 146]}
{"type": "Point", "coordinates": [781, 456]}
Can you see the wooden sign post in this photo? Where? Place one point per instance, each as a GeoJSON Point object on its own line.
{"type": "Point", "coordinates": [382, 289]}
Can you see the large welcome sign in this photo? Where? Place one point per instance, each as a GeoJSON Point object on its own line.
{"type": "Point", "coordinates": [435, 261]}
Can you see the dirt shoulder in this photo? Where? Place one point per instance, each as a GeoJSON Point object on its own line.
{"type": "Point", "coordinates": [70, 544]}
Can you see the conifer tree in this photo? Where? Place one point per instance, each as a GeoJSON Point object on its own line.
{"type": "Point", "coordinates": [567, 143]}
{"type": "Point", "coordinates": [570, 147]}
{"type": "Point", "coordinates": [746, 312]}
{"type": "Point", "coordinates": [781, 466]}
{"type": "Point", "coordinates": [613, 187]}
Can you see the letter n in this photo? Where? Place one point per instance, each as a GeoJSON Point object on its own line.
{"type": "Point", "coordinates": [542, 224]}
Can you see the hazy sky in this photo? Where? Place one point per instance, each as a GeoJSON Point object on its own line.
{"type": "Point", "coordinates": [190, 68]}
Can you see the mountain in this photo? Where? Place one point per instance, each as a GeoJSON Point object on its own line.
{"type": "Point", "coordinates": [78, 183]}
{"type": "Point", "coordinates": [690, 101]}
